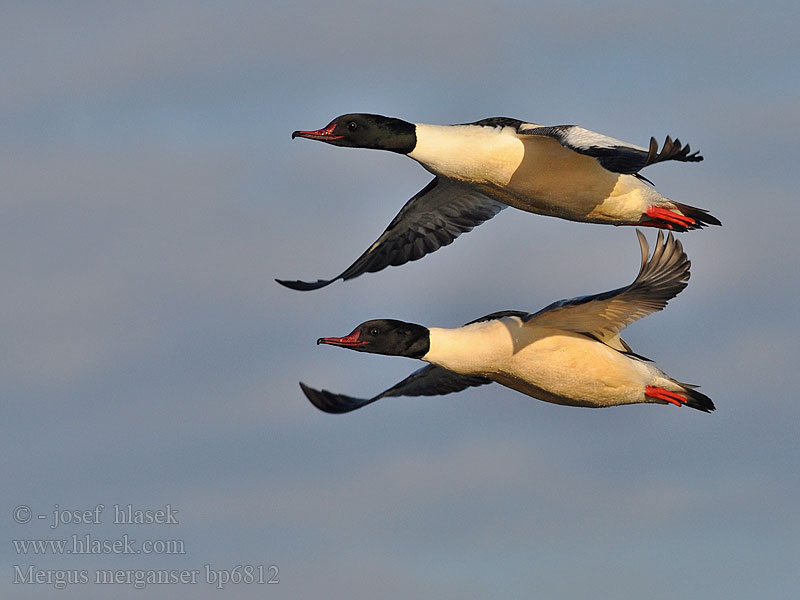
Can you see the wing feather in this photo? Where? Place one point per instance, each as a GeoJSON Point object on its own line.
{"type": "Point", "coordinates": [613, 154]}
{"type": "Point", "coordinates": [604, 315]}
{"type": "Point", "coordinates": [427, 381]}
{"type": "Point", "coordinates": [434, 217]}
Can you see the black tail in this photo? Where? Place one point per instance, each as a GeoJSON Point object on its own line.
{"type": "Point", "coordinates": [697, 399]}
{"type": "Point", "coordinates": [701, 216]}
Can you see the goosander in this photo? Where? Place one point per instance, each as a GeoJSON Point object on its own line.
{"type": "Point", "coordinates": [569, 353]}
{"type": "Point", "coordinates": [481, 168]}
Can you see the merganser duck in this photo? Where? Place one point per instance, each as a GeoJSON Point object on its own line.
{"type": "Point", "coordinates": [562, 171]}
{"type": "Point", "coordinates": [568, 353]}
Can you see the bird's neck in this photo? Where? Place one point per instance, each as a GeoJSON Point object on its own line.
{"type": "Point", "coordinates": [470, 153]}
{"type": "Point", "coordinates": [474, 349]}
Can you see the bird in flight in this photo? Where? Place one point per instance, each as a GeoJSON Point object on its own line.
{"type": "Point", "coordinates": [569, 353]}
{"type": "Point", "coordinates": [481, 168]}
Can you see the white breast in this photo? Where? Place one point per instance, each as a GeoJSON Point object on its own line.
{"type": "Point", "coordinates": [548, 364]}
{"type": "Point", "coordinates": [480, 348]}
{"type": "Point", "coordinates": [487, 155]}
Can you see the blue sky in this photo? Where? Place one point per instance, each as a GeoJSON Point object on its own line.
{"type": "Point", "coordinates": [151, 194]}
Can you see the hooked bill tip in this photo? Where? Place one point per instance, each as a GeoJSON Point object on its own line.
{"type": "Point", "coordinates": [320, 341]}
{"type": "Point", "coordinates": [295, 134]}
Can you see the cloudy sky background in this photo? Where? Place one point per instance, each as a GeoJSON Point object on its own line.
{"type": "Point", "coordinates": [151, 193]}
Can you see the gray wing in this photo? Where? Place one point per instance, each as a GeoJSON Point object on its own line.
{"type": "Point", "coordinates": [500, 314]}
{"type": "Point", "coordinates": [427, 381]}
{"type": "Point", "coordinates": [603, 316]}
{"type": "Point", "coordinates": [433, 218]}
{"type": "Point", "coordinates": [613, 154]}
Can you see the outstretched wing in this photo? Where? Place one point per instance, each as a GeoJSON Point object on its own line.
{"type": "Point", "coordinates": [427, 381]}
{"type": "Point", "coordinates": [603, 316]}
{"type": "Point", "coordinates": [433, 218]}
{"type": "Point", "coordinates": [613, 154]}
{"type": "Point", "coordinates": [500, 314]}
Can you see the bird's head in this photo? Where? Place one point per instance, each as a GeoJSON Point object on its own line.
{"type": "Point", "coordinates": [360, 130]}
{"type": "Point", "coordinates": [385, 336]}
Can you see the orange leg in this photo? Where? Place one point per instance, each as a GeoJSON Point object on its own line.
{"type": "Point", "coordinates": [666, 395]}
{"type": "Point", "coordinates": [665, 219]}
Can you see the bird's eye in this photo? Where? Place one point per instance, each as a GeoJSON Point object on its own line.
{"type": "Point", "coordinates": [352, 126]}
{"type": "Point", "coordinates": [374, 331]}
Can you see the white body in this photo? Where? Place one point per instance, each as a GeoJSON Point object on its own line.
{"type": "Point", "coordinates": [533, 173]}
{"type": "Point", "coordinates": [546, 363]}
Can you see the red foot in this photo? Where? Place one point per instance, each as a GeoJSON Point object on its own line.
{"type": "Point", "coordinates": [666, 395]}
{"type": "Point", "coordinates": [666, 218]}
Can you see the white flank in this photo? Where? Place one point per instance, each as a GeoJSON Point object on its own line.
{"type": "Point", "coordinates": [544, 362]}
